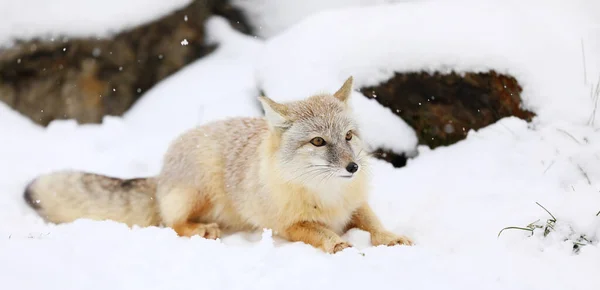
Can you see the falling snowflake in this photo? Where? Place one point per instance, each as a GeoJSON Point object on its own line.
{"type": "Point", "coordinates": [96, 52]}
{"type": "Point", "coordinates": [184, 42]}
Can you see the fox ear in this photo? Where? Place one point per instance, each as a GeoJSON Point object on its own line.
{"type": "Point", "coordinates": [277, 114]}
{"type": "Point", "coordinates": [343, 94]}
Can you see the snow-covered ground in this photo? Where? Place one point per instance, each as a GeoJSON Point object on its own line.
{"type": "Point", "coordinates": [452, 200]}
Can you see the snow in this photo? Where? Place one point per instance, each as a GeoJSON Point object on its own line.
{"type": "Point", "coordinates": [271, 17]}
{"type": "Point", "coordinates": [452, 201]}
{"type": "Point", "coordinates": [27, 19]}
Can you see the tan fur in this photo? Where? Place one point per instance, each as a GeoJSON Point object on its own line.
{"type": "Point", "coordinates": [241, 174]}
{"type": "Point", "coordinates": [65, 196]}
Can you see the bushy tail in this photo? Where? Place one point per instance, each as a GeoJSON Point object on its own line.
{"type": "Point", "coordinates": [65, 196]}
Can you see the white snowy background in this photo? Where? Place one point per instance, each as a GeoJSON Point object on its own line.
{"type": "Point", "coordinates": [452, 200]}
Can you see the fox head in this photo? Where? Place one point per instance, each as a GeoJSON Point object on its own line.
{"type": "Point", "coordinates": [318, 140]}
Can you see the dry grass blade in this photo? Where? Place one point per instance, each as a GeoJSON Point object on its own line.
{"type": "Point", "coordinates": [595, 95]}
{"type": "Point", "coordinates": [569, 134]}
{"type": "Point", "coordinates": [548, 168]}
{"type": "Point", "coordinates": [553, 218]}
{"type": "Point", "coordinates": [589, 181]}
{"type": "Point", "coordinates": [515, 228]}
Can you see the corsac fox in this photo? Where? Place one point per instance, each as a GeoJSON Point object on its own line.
{"type": "Point", "coordinates": [301, 170]}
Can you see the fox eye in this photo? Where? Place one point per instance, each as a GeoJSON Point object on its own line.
{"type": "Point", "coordinates": [349, 136]}
{"type": "Point", "coordinates": [317, 141]}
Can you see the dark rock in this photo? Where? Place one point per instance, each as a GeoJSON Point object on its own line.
{"type": "Point", "coordinates": [442, 108]}
{"type": "Point", "coordinates": [88, 78]}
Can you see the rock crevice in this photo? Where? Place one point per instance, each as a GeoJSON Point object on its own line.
{"type": "Point", "coordinates": [442, 108]}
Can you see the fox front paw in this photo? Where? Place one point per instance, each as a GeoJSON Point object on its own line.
{"type": "Point", "coordinates": [340, 246]}
{"type": "Point", "coordinates": [208, 231]}
{"type": "Point", "coordinates": [390, 239]}
{"type": "Point", "coordinates": [333, 248]}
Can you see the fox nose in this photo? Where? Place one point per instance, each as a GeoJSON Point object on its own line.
{"type": "Point", "coordinates": [352, 167]}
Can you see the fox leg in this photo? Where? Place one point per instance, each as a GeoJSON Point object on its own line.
{"type": "Point", "coordinates": [179, 207]}
{"type": "Point", "coordinates": [365, 219]}
{"type": "Point", "coordinates": [317, 235]}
